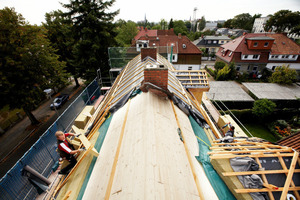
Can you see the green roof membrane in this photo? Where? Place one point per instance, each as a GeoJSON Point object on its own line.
{"type": "Point", "coordinates": [217, 183]}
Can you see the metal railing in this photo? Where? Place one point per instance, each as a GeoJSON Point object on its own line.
{"type": "Point", "coordinates": [42, 155]}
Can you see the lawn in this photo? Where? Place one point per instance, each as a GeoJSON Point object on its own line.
{"type": "Point", "coordinates": [259, 130]}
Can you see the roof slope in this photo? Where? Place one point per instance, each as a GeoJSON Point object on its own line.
{"type": "Point", "coordinates": [291, 141]}
{"type": "Point", "coordinates": [282, 45]}
{"type": "Point", "coordinates": [152, 162]}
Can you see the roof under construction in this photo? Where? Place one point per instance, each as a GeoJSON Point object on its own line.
{"type": "Point", "coordinates": [156, 142]}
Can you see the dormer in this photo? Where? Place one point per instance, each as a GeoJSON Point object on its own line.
{"type": "Point", "coordinates": [260, 43]}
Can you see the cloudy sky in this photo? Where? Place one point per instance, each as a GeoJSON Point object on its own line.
{"type": "Point", "coordinates": [155, 10]}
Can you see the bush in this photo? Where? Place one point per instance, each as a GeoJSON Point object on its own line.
{"type": "Point", "coordinates": [263, 108]}
{"type": "Point", "coordinates": [210, 71]}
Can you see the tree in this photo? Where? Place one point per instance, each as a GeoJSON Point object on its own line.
{"type": "Point", "coordinates": [202, 23]}
{"type": "Point", "coordinates": [126, 33]}
{"type": "Point", "coordinates": [163, 24]}
{"type": "Point", "coordinates": [94, 32]}
{"type": "Point", "coordinates": [243, 21]}
{"type": "Point", "coordinates": [219, 65]}
{"type": "Point", "coordinates": [59, 32]}
{"type": "Point", "coordinates": [283, 75]}
{"type": "Point", "coordinates": [28, 63]}
{"type": "Point", "coordinates": [263, 108]}
{"type": "Point", "coordinates": [228, 24]}
{"type": "Point", "coordinates": [171, 23]}
{"type": "Point", "coordinates": [227, 72]}
{"type": "Point", "coordinates": [188, 25]}
{"type": "Point", "coordinates": [284, 20]}
{"type": "Point", "coordinates": [179, 27]}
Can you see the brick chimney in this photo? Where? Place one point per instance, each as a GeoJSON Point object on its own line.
{"type": "Point", "coordinates": [157, 75]}
{"type": "Point", "coordinates": [148, 52]}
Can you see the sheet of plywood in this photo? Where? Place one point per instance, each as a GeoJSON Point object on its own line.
{"type": "Point", "coordinates": [152, 163]}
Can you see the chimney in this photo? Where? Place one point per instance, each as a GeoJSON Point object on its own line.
{"type": "Point", "coordinates": [157, 75]}
{"type": "Point", "coordinates": [148, 52]}
{"type": "Point", "coordinates": [179, 35]}
{"type": "Point", "coordinates": [146, 29]}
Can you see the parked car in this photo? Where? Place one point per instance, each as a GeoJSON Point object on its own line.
{"type": "Point", "coordinates": [59, 101]}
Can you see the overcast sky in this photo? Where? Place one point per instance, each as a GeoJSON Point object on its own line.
{"type": "Point", "coordinates": [34, 10]}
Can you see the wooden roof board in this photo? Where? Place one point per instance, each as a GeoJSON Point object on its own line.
{"type": "Point", "coordinates": [152, 162]}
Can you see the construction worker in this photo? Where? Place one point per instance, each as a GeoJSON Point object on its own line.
{"type": "Point", "coordinates": [230, 132]}
{"type": "Point", "coordinates": [66, 150]}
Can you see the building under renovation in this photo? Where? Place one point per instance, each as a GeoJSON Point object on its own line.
{"type": "Point", "coordinates": [150, 138]}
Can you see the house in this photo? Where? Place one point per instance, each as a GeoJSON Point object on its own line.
{"type": "Point", "coordinates": [259, 25]}
{"type": "Point", "coordinates": [222, 31]}
{"type": "Point", "coordinates": [210, 26]}
{"type": "Point", "coordinates": [183, 54]}
{"type": "Point", "coordinates": [211, 43]}
{"type": "Point", "coordinates": [253, 52]}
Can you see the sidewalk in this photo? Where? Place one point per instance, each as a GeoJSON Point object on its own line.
{"type": "Point", "coordinates": [17, 140]}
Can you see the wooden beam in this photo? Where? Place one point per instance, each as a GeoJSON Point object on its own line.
{"type": "Point", "coordinates": [67, 195]}
{"type": "Point", "coordinates": [283, 165]}
{"type": "Point", "coordinates": [258, 172]}
{"type": "Point", "coordinates": [85, 142]}
{"type": "Point", "coordinates": [265, 190]}
{"type": "Point", "coordinates": [197, 182]}
{"type": "Point", "coordinates": [252, 151]}
{"type": "Point", "coordinates": [113, 170]}
{"type": "Point", "coordinates": [289, 176]}
{"type": "Point", "coordinates": [251, 156]}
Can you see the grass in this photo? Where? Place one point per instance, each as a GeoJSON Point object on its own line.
{"type": "Point", "coordinates": [259, 130]}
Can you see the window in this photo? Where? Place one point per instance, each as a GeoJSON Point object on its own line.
{"type": "Point", "coordinates": [215, 41]}
{"type": "Point", "coordinates": [140, 45]}
{"type": "Point", "coordinates": [222, 42]}
{"type": "Point", "coordinates": [255, 68]}
{"type": "Point", "coordinates": [208, 41]}
{"type": "Point", "coordinates": [174, 57]}
{"type": "Point", "coordinates": [273, 68]}
{"type": "Point", "coordinates": [230, 53]}
{"type": "Point", "coordinates": [255, 56]}
{"type": "Point", "coordinates": [272, 56]}
{"type": "Point", "coordinates": [286, 56]}
{"type": "Point", "coordinates": [145, 45]}
{"type": "Point", "coordinates": [245, 56]}
{"type": "Point", "coordinates": [294, 56]}
{"type": "Point", "coordinates": [238, 68]}
{"type": "Point", "coordinates": [248, 68]}
{"type": "Point", "coordinates": [266, 44]}
{"type": "Point", "coordinates": [255, 44]}
{"type": "Point", "coordinates": [276, 56]}
{"type": "Point", "coordinates": [190, 67]}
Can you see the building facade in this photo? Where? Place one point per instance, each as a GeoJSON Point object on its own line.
{"type": "Point", "coordinates": [253, 52]}
{"type": "Point", "coordinates": [179, 50]}
{"type": "Point", "coordinates": [211, 43]}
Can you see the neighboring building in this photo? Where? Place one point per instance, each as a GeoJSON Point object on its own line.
{"type": "Point", "coordinates": [259, 25]}
{"type": "Point", "coordinates": [291, 141]}
{"type": "Point", "coordinates": [236, 32]}
{"type": "Point", "coordinates": [183, 54]}
{"type": "Point", "coordinates": [254, 51]}
{"type": "Point", "coordinates": [210, 26]}
{"type": "Point", "coordinates": [222, 31]}
{"type": "Point", "coordinates": [211, 43]}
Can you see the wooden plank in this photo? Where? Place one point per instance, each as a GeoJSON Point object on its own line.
{"type": "Point", "coordinates": [283, 165]}
{"type": "Point", "coordinates": [251, 156]}
{"type": "Point", "coordinates": [252, 151]}
{"type": "Point", "coordinates": [239, 147]}
{"type": "Point", "coordinates": [265, 190]}
{"type": "Point", "coordinates": [113, 170]}
{"type": "Point", "coordinates": [75, 167]}
{"type": "Point", "coordinates": [67, 195]}
{"type": "Point", "coordinates": [289, 176]}
{"type": "Point", "coordinates": [84, 140]}
{"type": "Point", "coordinates": [188, 155]}
{"type": "Point", "coordinates": [258, 172]}
{"type": "Point", "coordinates": [265, 180]}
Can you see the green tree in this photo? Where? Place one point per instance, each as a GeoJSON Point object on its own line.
{"type": "Point", "coordinates": [228, 24]}
{"type": "Point", "coordinates": [284, 20]}
{"type": "Point", "coordinates": [223, 73]}
{"type": "Point", "coordinates": [179, 27]}
{"type": "Point", "coordinates": [28, 63]}
{"type": "Point", "coordinates": [94, 32]}
{"type": "Point", "coordinates": [202, 23]}
{"type": "Point", "coordinates": [163, 24]}
{"type": "Point", "coordinates": [126, 33]}
{"type": "Point", "coordinates": [59, 32]}
{"type": "Point", "coordinates": [263, 108]}
{"type": "Point", "coordinates": [171, 23]}
{"type": "Point", "coordinates": [188, 25]}
{"type": "Point", "coordinates": [219, 65]}
{"type": "Point", "coordinates": [243, 21]}
{"type": "Point", "coordinates": [283, 75]}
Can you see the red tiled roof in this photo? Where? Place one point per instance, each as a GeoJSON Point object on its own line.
{"type": "Point", "coordinates": [282, 45]}
{"type": "Point", "coordinates": [166, 38]}
{"type": "Point", "coordinates": [291, 141]}
{"type": "Point", "coordinates": [144, 32]}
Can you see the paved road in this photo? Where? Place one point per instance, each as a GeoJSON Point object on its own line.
{"type": "Point", "coordinates": [17, 140]}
